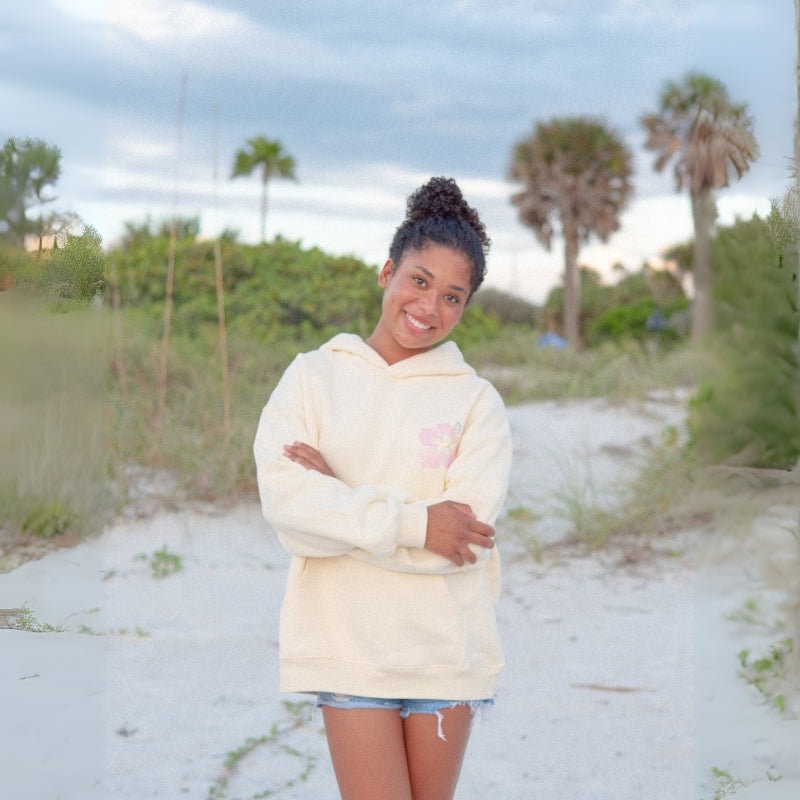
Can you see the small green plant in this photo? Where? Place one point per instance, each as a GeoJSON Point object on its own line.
{"type": "Point", "coordinates": [520, 521]}
{"type": "Point", "coordinates": [26, 621]}
{"type": "Point", "coordinates": [162, 562]}
{"type": "Point", "coordinates": [578, 501]}
{"type": "Point", "coordinates": [48, 520]}
{"type": "Point", "coordinates": [750, 613]}
{"type": "Point", "coordinates": [521, 513]}
{"type": "Point", "coordinates": [89, 631]}
{"type": "Point", "coordinates": [768, 673]}
{"type": "Point", "coordinates": [727, 785]}
{"type": "Point", "coordinates": [299, 716]}
{"type": "Point", "coordinates": [137, 631]}
{"type": "Point", "coordinates": [773, 776]}
{"type": "Point", "coordinates": [656, 501]}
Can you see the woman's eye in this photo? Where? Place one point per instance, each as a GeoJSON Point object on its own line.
{"type": "Point", "coordinates": [419, 281]}
{"type": "Point", "coordinates": [451, 298]}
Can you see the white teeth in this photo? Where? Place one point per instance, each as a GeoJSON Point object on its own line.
{"type": "Point", "coordinates": [418, 325]}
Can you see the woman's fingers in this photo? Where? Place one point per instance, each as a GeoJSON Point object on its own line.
{"type": "Point", "coordinates": [307, 456]}
{"type": "Point", "coordinates": [453, 528]}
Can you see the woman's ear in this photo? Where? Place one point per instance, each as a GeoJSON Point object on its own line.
{"type": "Point", "coordinates": [385, 274]}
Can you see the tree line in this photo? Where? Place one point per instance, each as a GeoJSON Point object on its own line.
{"type": "Point", "coordinates": [575, 176]}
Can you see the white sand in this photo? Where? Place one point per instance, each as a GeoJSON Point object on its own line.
{"type": "Point", "coordinates": [621, 680]}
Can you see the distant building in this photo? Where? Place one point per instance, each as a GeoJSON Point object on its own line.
{"type": "Point", "coordinates": [35, 243]}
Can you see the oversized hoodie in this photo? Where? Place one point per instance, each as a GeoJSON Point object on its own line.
{"type": "Point", "coordinates": [367, 610]}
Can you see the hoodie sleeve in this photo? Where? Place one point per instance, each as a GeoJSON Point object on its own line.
{"type": "Point", "coordinates": [478, 476]}
{"type": "Point", "coordinates": [316, 515]}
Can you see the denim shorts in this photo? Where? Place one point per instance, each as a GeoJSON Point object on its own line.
{"type": "Point", "coordinates": [406, 707]}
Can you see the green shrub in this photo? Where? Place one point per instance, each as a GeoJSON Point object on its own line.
{"type": "Point", "coordinates": [75, 272]}
{"type": "Point", "coordinates": [620, 311]}
{"type": "Point", "coordinates": [273, 291]}
{"type": "Point", "coordinates": [746, 407]}
{"type": "Point", "coordinates": [631, 322]}
{"type": "Point", "coordinates": [505, 306]}
{"type": "Point", "coordinates": [48, 520]}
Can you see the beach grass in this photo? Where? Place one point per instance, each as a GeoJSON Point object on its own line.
{"type": "Point", "coordinates": [54, 427]}
{"type": "Point", "coordinates": [79, 423]}
{"type": "Point", "coordinates": [524, 372]}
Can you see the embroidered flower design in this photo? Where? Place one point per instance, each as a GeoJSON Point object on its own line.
{"type": "Point", "coordinates": [439, 444]}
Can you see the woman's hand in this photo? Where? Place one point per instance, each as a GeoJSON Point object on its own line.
{"type": "Point", "coordinates": [452, 528]}
{"type": "Point", "coordinates": [306, 456]}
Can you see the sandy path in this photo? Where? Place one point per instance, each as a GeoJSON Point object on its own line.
{"type": "Point", "coordinates": [621, 680]}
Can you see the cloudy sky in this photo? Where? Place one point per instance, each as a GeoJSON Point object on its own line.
{"type": "Point", "coordinates": [371, 97]}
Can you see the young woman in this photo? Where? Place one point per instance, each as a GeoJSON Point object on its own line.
{"type": "Point", "coordinates": [382, 465]}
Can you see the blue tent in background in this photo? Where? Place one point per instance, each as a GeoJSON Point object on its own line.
{"type": "Point", "coordinates": [657, 321]}
{"type": "Point", "coordinates": [551, 339]}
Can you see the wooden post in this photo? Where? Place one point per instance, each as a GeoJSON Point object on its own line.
{"type": "Point", "coordinates": [223, 336]}
{"type": "Point", "coordinates": [173, 235]}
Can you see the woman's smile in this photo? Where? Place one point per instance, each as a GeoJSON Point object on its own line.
{"type": "Point", "coordinates": [415, 322]}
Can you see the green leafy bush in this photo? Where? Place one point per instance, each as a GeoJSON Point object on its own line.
{"type": "Point", "coordinates": [630, 322]}
{"type": "Point", "coordinates": [273, 291]}
{"type": "Point", "coordinates": [619, 311]}
{"type": "Point", "coordinates": [746, 406]}
{"type": "Point", "coordinates": [48, 520]}
{"type": "Point", "coordinates": [75, 272]}
{"type": "Point", "coordinates": [505, 306]}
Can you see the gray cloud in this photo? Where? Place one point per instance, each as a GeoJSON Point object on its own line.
{"type": "Point", "coordinates": [354, 89]}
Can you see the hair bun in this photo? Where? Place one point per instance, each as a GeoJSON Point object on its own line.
{"type": "Point", "coordinates": [441, 197]}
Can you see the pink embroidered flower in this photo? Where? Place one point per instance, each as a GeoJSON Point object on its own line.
{"type": "Point", "coordinates": [439, 444]}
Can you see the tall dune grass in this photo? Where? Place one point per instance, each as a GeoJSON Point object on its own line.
{"type": "Point", "coordinates": [524, 372]}
{"type": "Point", "coordinates": [208, 464]}
{"type": "Point", "coordinates": [206, 460]}
{"type": "Point", "coordinates": [54, 425]}
{"type": "Point", "coordinates": [75, 438]}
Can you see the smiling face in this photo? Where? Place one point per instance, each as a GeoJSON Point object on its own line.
{"type": "Point", "coordinates": [423, 299]}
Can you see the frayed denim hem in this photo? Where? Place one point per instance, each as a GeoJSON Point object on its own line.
{"type": "Point", "coordinates": [406, 707]}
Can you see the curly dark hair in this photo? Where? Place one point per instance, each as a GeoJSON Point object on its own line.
{"type": "Point", "coordinates": [436, 213]}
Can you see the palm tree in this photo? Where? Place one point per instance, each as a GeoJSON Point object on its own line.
{"type": "Point", "coordinates": [269, 155]}
{"type": "Point", "coordinates": [27, 167]}
{"type": "Point", "coordinates": [576, 170]}
{"type": "Point", "coordinates": [706, 134]}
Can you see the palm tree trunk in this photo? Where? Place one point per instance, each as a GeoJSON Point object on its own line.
{"type": "Point", "coordinates": [704, 213]}
{"type": "Point", "coordinates": [572, 289]}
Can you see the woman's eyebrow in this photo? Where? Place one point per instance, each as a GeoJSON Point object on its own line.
{"type": "Point", "coordinates": [453, 286]}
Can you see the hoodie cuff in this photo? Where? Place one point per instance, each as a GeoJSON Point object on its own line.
{"type": "Point", "coordinates": [413, 526]}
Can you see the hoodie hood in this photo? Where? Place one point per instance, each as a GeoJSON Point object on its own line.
{"type": "Point", "coordinates": [444, 359]}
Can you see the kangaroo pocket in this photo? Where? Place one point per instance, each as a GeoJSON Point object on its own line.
{"type": "Point", "coordinates": [347, 610]}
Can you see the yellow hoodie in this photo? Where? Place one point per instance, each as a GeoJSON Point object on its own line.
{"type": "Point", "coordinates": [367, 610]}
